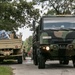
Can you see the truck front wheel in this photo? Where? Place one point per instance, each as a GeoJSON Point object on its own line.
{"type": "Point", "coordinates": [41, 62]}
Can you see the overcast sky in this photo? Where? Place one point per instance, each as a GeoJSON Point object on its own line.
{"type": "Point", "coordinates": [25, 33]}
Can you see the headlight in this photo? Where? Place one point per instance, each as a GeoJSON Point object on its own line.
{"type": "Point", "coordinates": [70, 47]}
{"type": "Point", "coordinates": [47, 48]}
{"type": "Point", "coordinates": [54, 47]}
{"type": "Point", "coordinates": [43, 47]}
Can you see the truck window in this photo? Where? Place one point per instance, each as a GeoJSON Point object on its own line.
{"type": "Point", "coordinates": [58, 25]}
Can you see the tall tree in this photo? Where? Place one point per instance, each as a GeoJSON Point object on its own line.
{"type": "Point", "coordinates": [28, 43]}
{"type": "Point", "coordinates": [58, 6]}
{"type": "Point", "coordinates": [16, 13]}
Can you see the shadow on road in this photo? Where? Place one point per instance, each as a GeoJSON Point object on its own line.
{"type": "Point", "coordinates": [8, 62]}
{"type": "Point", "coordinates": [50, 65]}
{"type": "Point", "coordinates": [58, 66]}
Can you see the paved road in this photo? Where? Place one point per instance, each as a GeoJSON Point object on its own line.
{"type": "Point", "coordinates": [52, 68]}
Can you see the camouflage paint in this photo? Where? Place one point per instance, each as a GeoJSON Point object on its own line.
{"type": "Point", "coordinates": [63, 38]}
{"type": "Point", "coordinates": [57, 35]}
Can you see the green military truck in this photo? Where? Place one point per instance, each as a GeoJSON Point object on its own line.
{"type": "Point", "coordinates": [11, 49]}
{"type": "Point", "coordinates": [54, 39]}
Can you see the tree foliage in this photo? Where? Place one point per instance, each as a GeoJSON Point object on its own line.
{"type": "Point", "coordinates": [28, 43]}
{"type": "Point", "coordinates": [58, 6]}
{"type": "Point", "coordinates": [14, 14]}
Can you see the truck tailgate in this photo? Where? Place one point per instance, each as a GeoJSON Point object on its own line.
{"type": "Point", "coordinates": [10, 43]}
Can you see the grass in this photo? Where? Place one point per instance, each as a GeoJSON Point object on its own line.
{"type": "Point", "coordinates": [5, 70]}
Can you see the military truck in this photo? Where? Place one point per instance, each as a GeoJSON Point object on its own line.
{"type": "Point", "coordinates": [11, 49]}
{"type": "Point", "coordinates": [54, 39]}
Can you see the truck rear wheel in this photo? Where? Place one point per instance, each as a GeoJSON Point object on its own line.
{"type": "Point", "coordinates": [35, 56]}
{"type": "Point", "coordinates": [73, 59]}
{"type": "Point", "coordinates": [41, 62]}
{"type": "Point", "coordinates": [64, 62]}
{"type": "Point", "coordinates": [1, 60]}
{"type": "Point", "coordinates": [60, 61]}
{"type": "Point", "coordinates": [74, 63]}
{"type": "Point", "coordinates": [19, 60]}
{"type": "Point", "coordinates": [35, 60]}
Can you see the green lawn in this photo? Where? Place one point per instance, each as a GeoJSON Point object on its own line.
{"type": "Point", "coordinates": [5, 70]}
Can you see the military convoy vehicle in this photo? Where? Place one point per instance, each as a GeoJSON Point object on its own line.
{"type": "Point", "coordinates": [11, 48]}
{"type": "Point", "coordinates": [54, 39]}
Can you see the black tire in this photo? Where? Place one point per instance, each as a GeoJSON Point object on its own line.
{"type": "Point", "coordinates": [41, 62]}
{"type": "Point", "coordinates": [60, 61]}
{"type": "Point", "coordinates": [35, 60]}
{"type": "Point", "coordinates": [66, 62]}
{"type": "Point", "coordinates": [1, 60]}
{"type": "Point", "coordinates": [74, 63]}
{"type": "Point", "coordinates": [20, 60]}
{"type": "Point", "coordinates": [73, 60]}
{"type": "Point", "coordinates": [35, 57]}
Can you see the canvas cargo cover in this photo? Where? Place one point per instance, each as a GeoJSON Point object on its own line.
{"type": "Point", "coordinates": [4, 35]}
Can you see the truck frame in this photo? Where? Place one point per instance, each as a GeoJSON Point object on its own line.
{"type": "Point", "coordinates": [54, 39]}
{"type": "Point", "coordinates": [11, 49]}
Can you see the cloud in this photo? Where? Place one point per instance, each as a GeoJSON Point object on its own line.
{"type": "Point", "coordinates": [25, 33]}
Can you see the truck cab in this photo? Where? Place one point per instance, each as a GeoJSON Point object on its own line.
{"type": "Point", "coordinates": [54, 39]}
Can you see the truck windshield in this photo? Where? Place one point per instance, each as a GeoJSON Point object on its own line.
{"type": "Point", "coordinates": [58, 25]}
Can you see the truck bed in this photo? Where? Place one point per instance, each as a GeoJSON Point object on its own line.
{"type": "Point", "coordinates": [10, 43]}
